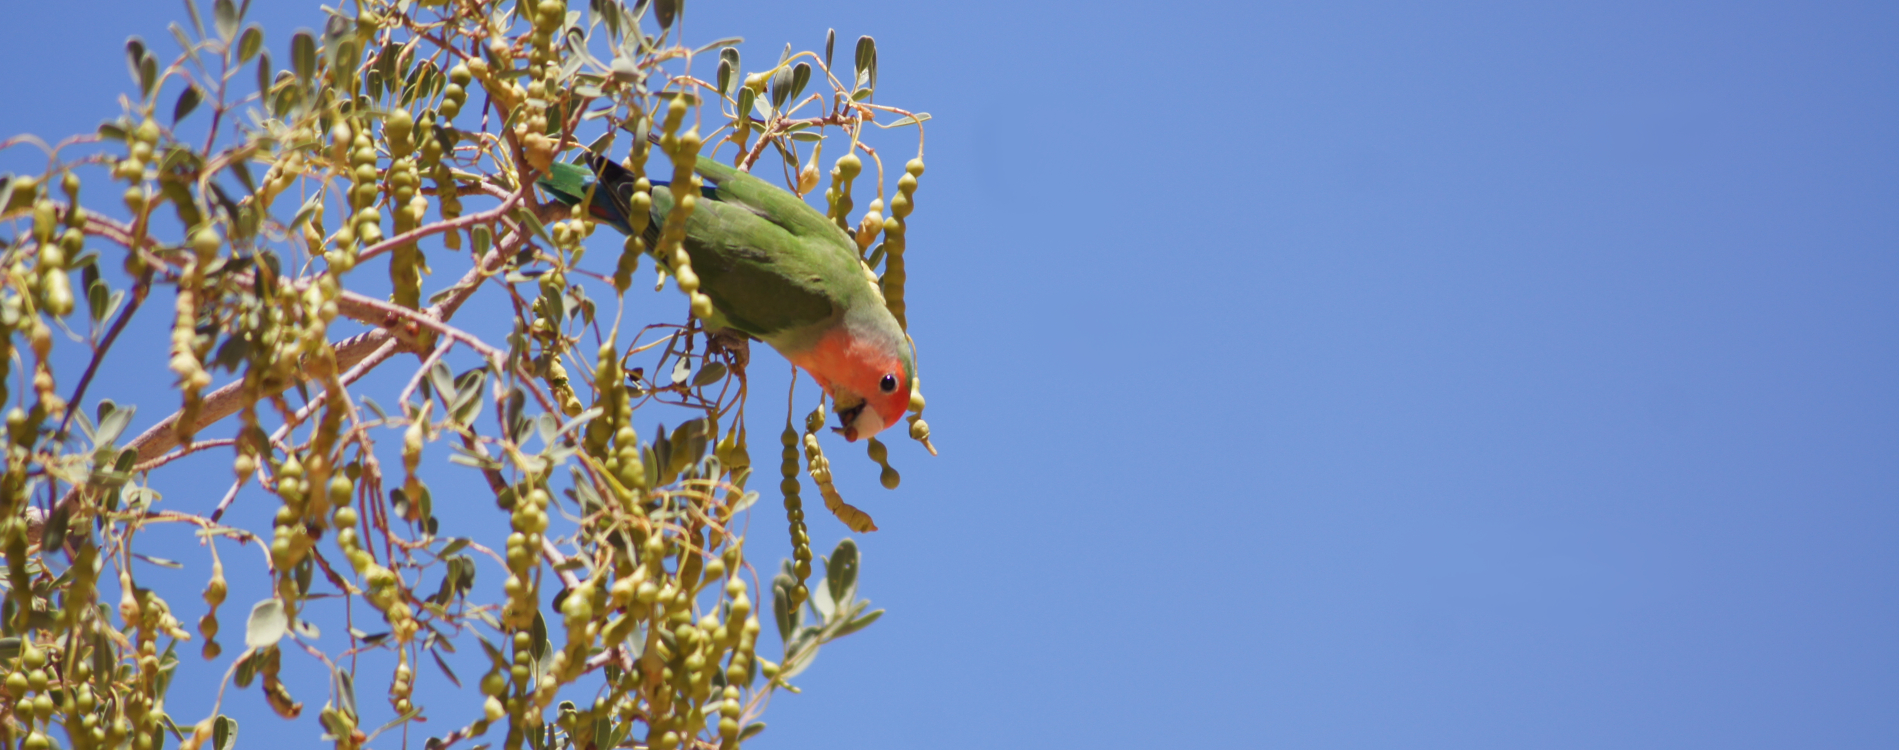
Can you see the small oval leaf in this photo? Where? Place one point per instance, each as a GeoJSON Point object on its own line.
{"type": "Point", "coordinates": [187, 101]}
{"type": "Point", "coordinates": [224, 733]}
{"type": "Point", "coordinates": [801, 75]}
{"type": "Point", "coordinates": [866, 63]}
{"type": "Point", "coordinates": [709, 374]}
{"type": "Point", "coordinates": [225, 15]}
{"type": "Point", "coordinates": [135, 61]}
{"type": "Point", "coordinates": [267, 624]}
{"type": "Point", "coordinates": [303, 55]}
{"type": "Point", "coordinates": [250, 43]}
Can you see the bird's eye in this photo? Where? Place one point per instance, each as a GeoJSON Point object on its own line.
{"type": "Point", "coordinates": [888, 384]}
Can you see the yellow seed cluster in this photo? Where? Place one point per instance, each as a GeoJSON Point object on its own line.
{"type": "Point", "coordinates": [438, 140]}
{"type": "Point", "coordinates": [284, 171]}
{"type": "Point", "coordinates": [639, 212]}
{"type": "Point", "coordinates": [455, 94]}
{"type": "Point", "coordinates": [684, 151]}
{"type": "Point", "coordinates": [188, 348]}
{"type": "Point", "coordinates": [406, 263]}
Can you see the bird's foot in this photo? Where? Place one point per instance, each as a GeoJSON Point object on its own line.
{"type": "Point", "coordinates": [731, 342]}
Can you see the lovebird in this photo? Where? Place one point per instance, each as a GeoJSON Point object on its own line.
{"type": "Point", "coordinates": [778, 271]}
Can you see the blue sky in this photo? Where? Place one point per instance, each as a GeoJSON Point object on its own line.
{"type": "Point", "coordinates": [1345, 375]}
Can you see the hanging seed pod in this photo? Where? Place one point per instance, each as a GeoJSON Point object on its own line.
{"type": "Point", "coordinates": [684, 150]}
{"type": "Point", "coordinates": [794, 508]}
{"type": "Point", "coordinates": [820, 470]}
{"type": "Point", "coordinates": [919, 430]}
{"type": "Point", "coordinates": [838, 197]}
{"type": "Point", "coordinates": [455, 94]}
{"type": "Point", "coordinates": [639, 208]}
{"type": "Point", "coordinates": [888, 476]}
{"type": "Point", "coordinates": [892, 282]}
{"type": "Point", "coordinates": [406, 264]}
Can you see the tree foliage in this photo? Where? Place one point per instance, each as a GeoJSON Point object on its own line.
{"type": "Point", "coordinates": [293, 213]}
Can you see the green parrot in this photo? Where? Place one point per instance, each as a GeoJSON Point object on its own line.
{"type": "Point", "coordinates": [778, 271]}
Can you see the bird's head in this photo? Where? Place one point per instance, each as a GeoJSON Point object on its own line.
{"type": "Point", "coordinates": [867, 375]}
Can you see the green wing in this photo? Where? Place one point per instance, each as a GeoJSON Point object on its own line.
{"type": "Point", "coordinates": [774, 267]}
{"type": "Point", "coordinates": [775, 205]}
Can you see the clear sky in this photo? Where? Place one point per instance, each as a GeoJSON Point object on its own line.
{"type": "Point", "coordinates": [1331, 375]}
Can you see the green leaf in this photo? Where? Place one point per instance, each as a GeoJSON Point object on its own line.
{"type": "Point", "coordinates": [726, 42]}
{"type": "Point", "coordinates": [450, 673]}
{"type": "Point", "coordinates": [481, 236]}
{"type": "Point", "coordinates": [780, 88]}
{"type": "Point", "coordinates": [538, 631]}
{"type": "Point", "coordinates": [251, 43]}
{"type": "Point", "coordinates": [160, 561]}
{"type": "Point", "coordinates": [223, 733]}
{"type": "Point", "coordinates": [224, 13]}
{"type": "Point", "coordinates": [806, 136]}
{"type": "Point", "coordinates": [709, 374]}
{"type": "Point", "coordinates": [346, 690]}
{"type": "Point", "coordinates": [442, 381]}
{"type": "Point", "coordinates": [665, 11]}
{"type": "Point", "coordinates": [246, 667]}
{"type": "Point", "coordinates": [306, 628]}
{"type": "Point", "coordinates": [831, 37]}
{"type": "Point", "coordinates": [112, 423]}
{"type": "Point", "coordinates": [582, 418]}
{"type": "Point", "coordinates": [801, 75]}
{"type": "Point", "coordinates": [751, 730]}
{"type": "Point", "coordinates": [304, 212]}
{"type": "Point", "coordinates": [784, 615]}
{"type": "Point", "coordinates": [858, 624]}
{"type": "Point", "coordinates": [53, 534]}
{"type": "Point", "coordinates": [148, 76]}
{"type": "Point", "coordinates": [913, 119]}
{"type": "Point", "coordinates": [191, 9]}
{"type": "Point", "coordinates": [97, 297]}
{"type": "Point", "coordinates": [468, 396]}
{"type": "Point", "coordinates": [866, 63]}
{"type": "Point", "coordinates": [748, 103]}
{"type": "Point", "coordinates": [267, 624]}
{"type": "Point", "coordinates": [822, 603]}
{"type": "Point", "coordinates": [263, 74]}
{"type": "Point", "coordinates": [375, 407]}
{"type": "Point", "coordinates": [533, 222]}
{"type": "Point", "coordinates": [800, 661]}
{"type": "Point", "coordinates": [841, 572]}
{"type": "Point", "coordinates": [135, 58]}
{"type": "Point", "coordinates": [187, 101]}
{"type": "Point", "coordinates": [303, 55]}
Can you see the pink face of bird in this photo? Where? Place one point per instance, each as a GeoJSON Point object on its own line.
{"type": "Point", "coordinates": [869, 387]}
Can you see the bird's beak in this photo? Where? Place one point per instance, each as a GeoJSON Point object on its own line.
{"type": "Point", "coordinates": [848, 418]}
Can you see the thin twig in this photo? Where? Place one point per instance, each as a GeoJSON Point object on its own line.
{"type": "Point", "coordinates": [98, 355]}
